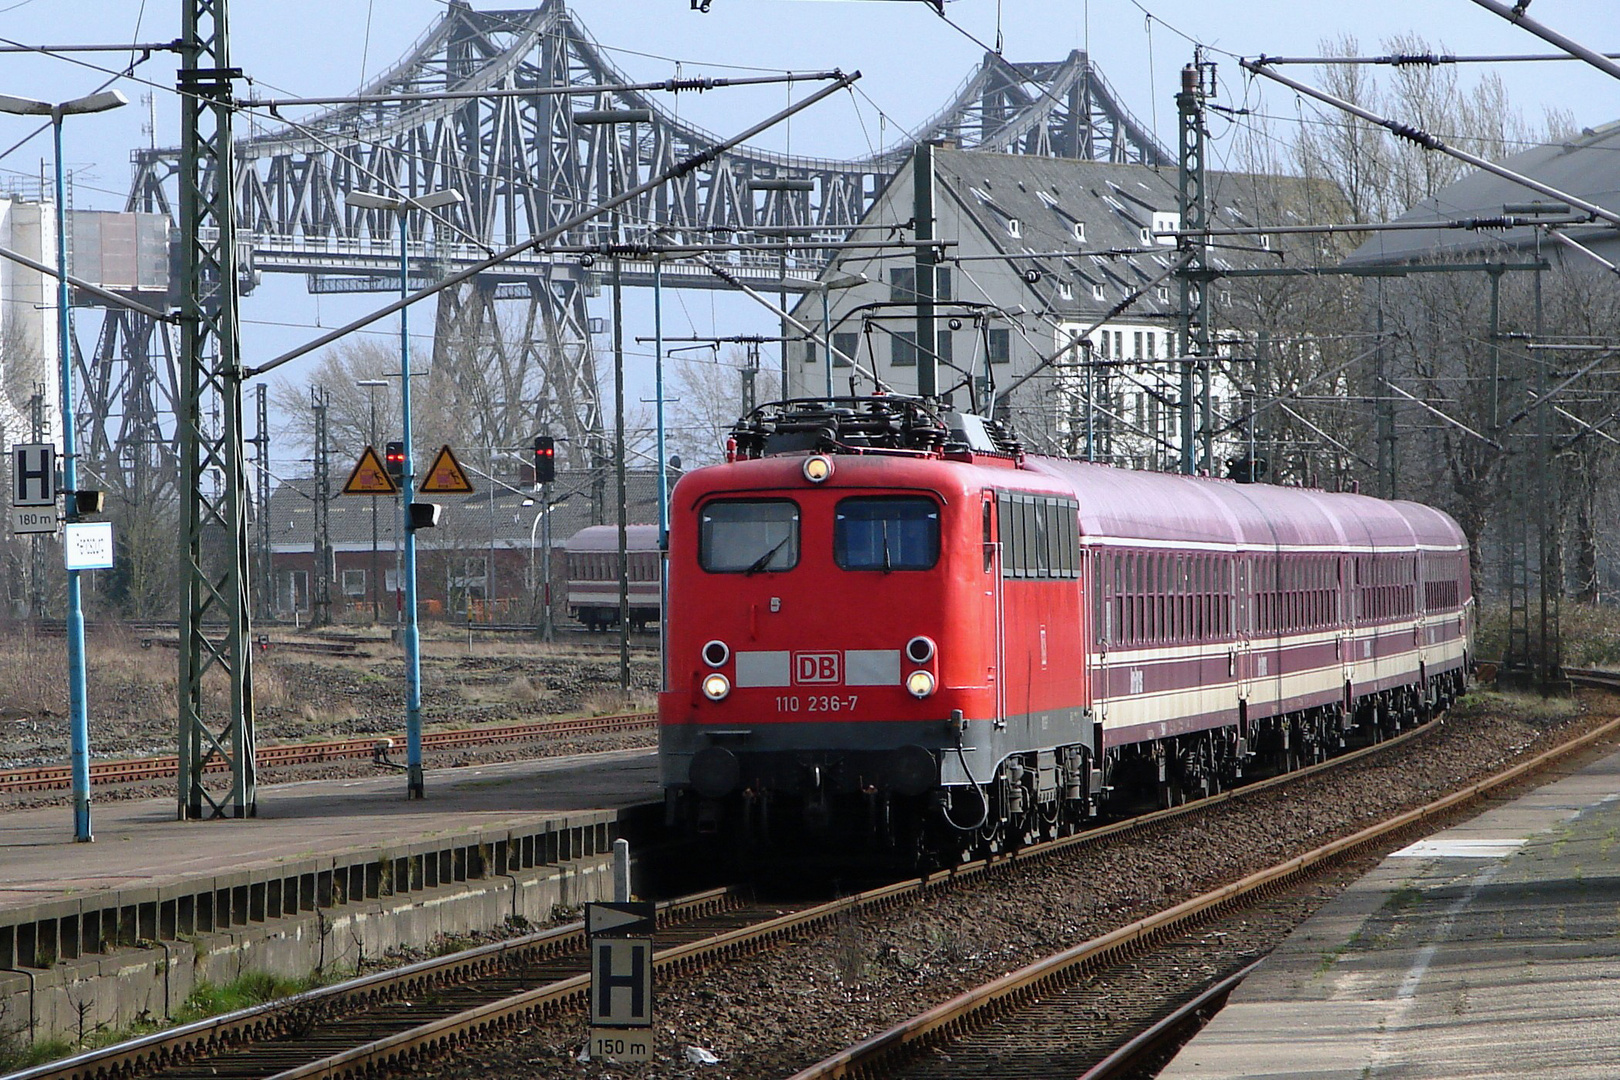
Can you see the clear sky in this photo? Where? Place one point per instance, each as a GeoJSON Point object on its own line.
{"type": "Point", "coordinates": [911, 59]}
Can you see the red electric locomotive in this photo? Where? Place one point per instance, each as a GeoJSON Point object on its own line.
{"type": "Point", "coordinates": [888, 624]}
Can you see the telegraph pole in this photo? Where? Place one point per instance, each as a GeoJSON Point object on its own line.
{"type": "Point", "coordinates": [261, 494]}
{"type": "Point", "coordinates": [925, 273]}
{"type": "Point", "coordinates": [1193, 203]}
{"type": "Point", "coordinates": [39, 427]}
{"type": "Point", "coordinates": [321, 605]}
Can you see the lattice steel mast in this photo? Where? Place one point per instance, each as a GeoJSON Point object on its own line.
{"type": "Point", "coordinates": [214, 548]}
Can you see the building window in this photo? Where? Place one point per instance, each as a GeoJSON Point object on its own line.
{"type": "Point", "coordinates": [1102, 345]}
{"type": "Point", "coordinates": [903, 348]}
{"type": "Point", "coordinates": [1119, 344]}
{"type": "Point", "coordinates": [845, 345]}
{"type": "Point", "coordinates": [1013, 229]}
{"type": "Point", "coordinates": [942, 343]}
{"type": "Point", "coordinates": [1066, 290]}
{"type": "Point", "coordinates": [1000, 346]}
{"type": "Point", "coordinates": [902, 284]}
{"type": "Point", "coordinates": [810, 351]}
{"type": "Point", "coordinates": [1080, 231]}
{"type": "Point", "coordinates": [943, 278]}
{"type": "Point", "coordinates": [354, 583]}
{"type": "Point", "coordinates": [1150, 343]}
{"type": "Point", "coordinates": [1146, 234]}
{"type": "Point", "coordinates": [1164, 294]}
{"type": "Point", "coordinates": [1097, 292]}
{"type": "Point", "coordinates": [1139, 352]}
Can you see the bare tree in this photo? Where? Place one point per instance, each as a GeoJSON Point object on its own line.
{"type": "Point", "coordinates": [709, 399]}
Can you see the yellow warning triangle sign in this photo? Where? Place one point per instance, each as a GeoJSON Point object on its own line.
{"type": "Point", "coordinates": [445, 477]}
{"type": "Point", "coordinates": [369, 477]}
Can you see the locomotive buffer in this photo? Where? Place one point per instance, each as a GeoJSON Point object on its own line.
{"type": "Point", "coordinates": [621, 951]}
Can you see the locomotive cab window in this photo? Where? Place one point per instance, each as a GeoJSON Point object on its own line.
{"type": "Point", "coordinates": [886, 533]}
{"type": "Point", "coordinates": [748, 536]}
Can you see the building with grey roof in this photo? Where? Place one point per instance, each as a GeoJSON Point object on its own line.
{"type": "Point", "coordinates": [1583, 166]}
{"type": "Point", "coordinates": [1041, 250]}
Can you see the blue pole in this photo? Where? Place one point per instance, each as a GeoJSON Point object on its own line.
{"type": "Point", "coordinates": [77, 710]}
{"type": "Point", "coordinates": [413, 645]}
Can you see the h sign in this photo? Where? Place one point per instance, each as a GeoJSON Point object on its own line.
{"type": "Point", "coordinates": [621, 982]}
{"type": "Point", "coordinates": [33, 469]}
{"type": "Point", "coordinates": [816, 667]}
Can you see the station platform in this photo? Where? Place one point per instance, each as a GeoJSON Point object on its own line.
{"type": "Point", "coordinates": [1491, 949]}
{"type": "Point", "coordinates": [313, 845]}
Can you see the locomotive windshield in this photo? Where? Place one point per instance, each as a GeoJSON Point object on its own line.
{"type": "Point", "coordinates": [748, 536]}
{"type": "Point", "coordinates": [886, 533]}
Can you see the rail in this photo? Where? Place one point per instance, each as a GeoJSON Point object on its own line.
{"type": "Point", "coordinates": [55, 777]}
{"type": "Point", "coordinates": [879, 1055]}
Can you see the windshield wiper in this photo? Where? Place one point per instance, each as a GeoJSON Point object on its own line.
{"type": "Point", "coordinates": [886, 566]}
{"type": "Point", "coordinates": [764, 560]}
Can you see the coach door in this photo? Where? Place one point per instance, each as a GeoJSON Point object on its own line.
{"type": "Point", "coordinates": [996, 592]}
{"type": "Point", "coordinates": [1347, 625]}
{"type": "Point", "coordinates": [1242, 658]}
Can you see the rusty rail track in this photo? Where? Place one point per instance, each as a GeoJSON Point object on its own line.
{"type": "Point", "coordinates": [1044, 979]}
{"type": "Point", "coordinates": [56, 777]}
{"type": "Point", "coordinates": [202, 1047]}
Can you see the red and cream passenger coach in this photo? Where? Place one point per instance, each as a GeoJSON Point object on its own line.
{"type": "Point", "coordinates": [887, 623]}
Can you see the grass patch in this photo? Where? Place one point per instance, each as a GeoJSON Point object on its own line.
{"type": "Point", "coordinates": [206, 1000]}
{"type": "Point", "coordinates": [254, 988]}
{"type": "Point", "coordinates": [1528, 708]}
{"type": "Point", "coordinates": [15, 1057]}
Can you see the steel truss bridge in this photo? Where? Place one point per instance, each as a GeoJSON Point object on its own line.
{"type": "Point", "coordinates": [524, 167]}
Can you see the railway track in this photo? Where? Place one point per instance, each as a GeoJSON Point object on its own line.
{"type": "Point", "coordinates": [370, 1025]}
{"type": "Point", "coordinates": [1011, 1020]}
{"type": "Point", "coordinates": [56, 777]}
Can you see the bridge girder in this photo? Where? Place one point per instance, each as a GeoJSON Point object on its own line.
{"type": "Point", "coordinates": [523, 167]}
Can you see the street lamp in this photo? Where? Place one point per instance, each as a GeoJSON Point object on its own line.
{"type": "Point", "coordinates": [371, 386]}
{"type": "Point", "coordinates": [609, 118]}
{"type": "Point", "coordinates": [783, 187]}
{"type": "Point", "coordinates": [77, 705]}
{"type": "Point", "coordinates": [839, 281]}
{"type": "Point", "coordinates": [365, 200]}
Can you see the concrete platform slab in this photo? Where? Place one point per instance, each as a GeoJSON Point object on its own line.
{"type": "Point", "coordinates": [142, 843]}
{"type": "Point", "coordinates": [1491, 949]}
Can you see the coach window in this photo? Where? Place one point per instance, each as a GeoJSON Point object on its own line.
{"type": "Point", "coordinates": [748, 536]}
{"type": "Point", "coordinates": [989, 543]}
{"type": "Point", "coordinates": [886, 533]}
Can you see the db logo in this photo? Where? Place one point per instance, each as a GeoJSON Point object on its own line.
{"type": "Point", "coordinates": [815, 667]}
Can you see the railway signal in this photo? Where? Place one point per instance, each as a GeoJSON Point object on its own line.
{"type": "Point", "coordinates": [545, 459]}
{"type": "Point", "coordinates": [394, 456]}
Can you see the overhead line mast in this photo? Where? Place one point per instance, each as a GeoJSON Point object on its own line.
{"type": "Point", "coordinates": [214, 543]}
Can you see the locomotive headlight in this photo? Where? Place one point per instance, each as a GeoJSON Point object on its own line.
{"type": "Point", "coordinates": [716, 686]}
{"type": "Point", "coordinates": [817, 469]}
{"type": "Point", "coordinates": [920, 683]}
{"type": "Point", "coordinates": [716, 653]}
{"type": "Point", "coordinates": [920, 649]}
